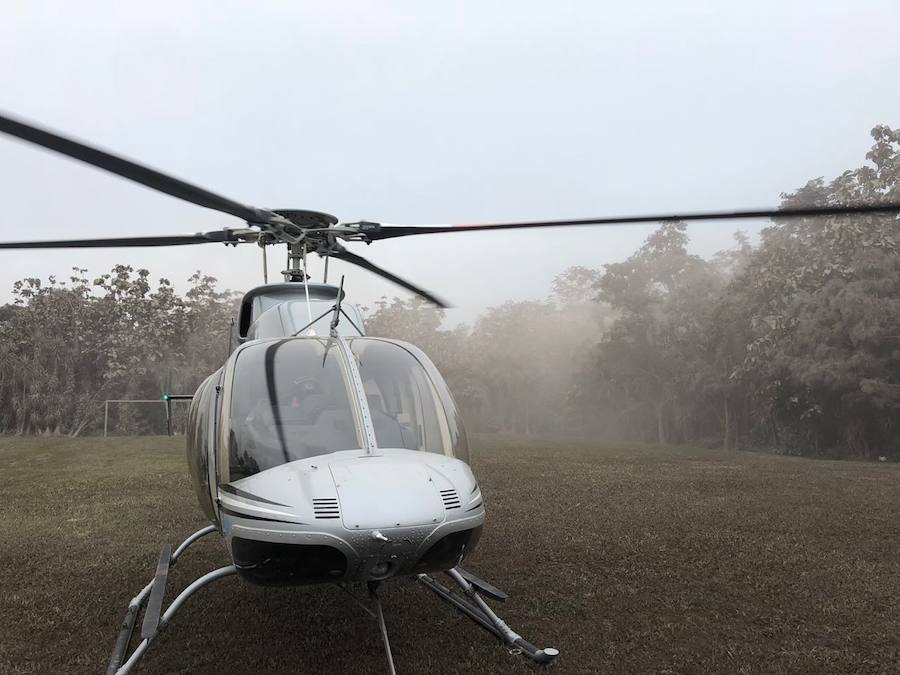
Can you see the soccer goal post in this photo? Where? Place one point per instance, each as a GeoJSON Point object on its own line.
{"type": "Point", "coordinates": [166, 401]}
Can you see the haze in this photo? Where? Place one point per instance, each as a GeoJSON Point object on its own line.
{"type": "Point", "coordinates": [413, 113]}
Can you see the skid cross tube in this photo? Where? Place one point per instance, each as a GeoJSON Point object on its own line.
{"type": "Point", "coordinates": [170, 612]}
{"type": "Point", "coordinates": [141, 599]}
{"type": "Point", "coordinates": [209, 529]}
{"type": "Point", "coordinates": [474, 606]}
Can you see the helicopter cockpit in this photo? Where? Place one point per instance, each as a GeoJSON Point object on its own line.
{"type": "Point", "coordinates": [295, 398]}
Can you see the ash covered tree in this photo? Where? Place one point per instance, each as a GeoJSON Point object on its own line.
{"type": "Point", "coordinates": [651, 368]}
{"type": "Point", "coordinates": [66, 346]}
{"type": "Point", "coordinates": [823, 297]}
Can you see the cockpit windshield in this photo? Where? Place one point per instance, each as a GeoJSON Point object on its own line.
{"type": "Point", "coordinates": [289, 401]}
{"type": "Point", "coordinates": [292, 398]}
{"type": "Point", "coordinates": [404, 405]}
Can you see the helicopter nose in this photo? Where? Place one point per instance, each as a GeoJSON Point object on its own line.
{"type": "Point", "coordinates": [408, 512]}
{"type": "Point", "coordinates": [354, 517]}
{"type": "Point", "coordinates": [382, 492]}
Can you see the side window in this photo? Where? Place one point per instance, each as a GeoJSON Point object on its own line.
{"type": "Point", "coordinates": [270, 323]}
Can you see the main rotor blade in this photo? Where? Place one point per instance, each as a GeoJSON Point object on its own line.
{"type": "Point", "coordinates": [392, 231]}
{"type": "Point", "coordinates": [132, 171]}
{"type": "Point", "coordinates": [174, 240]}
{"type": "Point", "coordinates": [359, 261]}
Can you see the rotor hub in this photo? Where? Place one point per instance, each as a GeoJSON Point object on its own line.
{"type": "Point", "coordinates": [308, 219]}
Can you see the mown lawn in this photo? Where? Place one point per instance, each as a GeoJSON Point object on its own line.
{"type": "Point", "coordinates": [626, 559]}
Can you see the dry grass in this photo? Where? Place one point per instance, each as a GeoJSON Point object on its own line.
{"type": "Point", "coordinates": [627, 560]}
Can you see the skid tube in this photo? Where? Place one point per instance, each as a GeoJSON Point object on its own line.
{"type": "Point", "coordinates": [473, 605]}
{"type": "Point", "coordinates": [150, 598]}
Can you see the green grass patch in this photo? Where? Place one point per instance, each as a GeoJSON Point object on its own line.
{"type": "Point", "coordinates": [626, 559]}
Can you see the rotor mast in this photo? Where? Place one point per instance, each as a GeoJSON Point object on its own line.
{"type": "Point", "coordinates": [296, 259]}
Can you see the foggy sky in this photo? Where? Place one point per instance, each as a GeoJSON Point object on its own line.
{"type": "Point", "coordinates": [410, 112]}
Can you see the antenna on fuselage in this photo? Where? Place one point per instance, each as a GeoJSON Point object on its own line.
{"type": "Point", "coordinates": [336, 317]}
{"type": "Point", "coordinates": [306, 290]}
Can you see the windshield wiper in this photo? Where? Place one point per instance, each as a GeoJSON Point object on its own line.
{"type": "Point", "coordinates": [332, 330]}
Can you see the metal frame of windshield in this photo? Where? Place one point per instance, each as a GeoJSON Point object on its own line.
{"type": "Point", "coordinates": [361, 400]}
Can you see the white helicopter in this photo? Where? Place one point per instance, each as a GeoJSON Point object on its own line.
{"type": "Point", "coordinates": [321, 454]}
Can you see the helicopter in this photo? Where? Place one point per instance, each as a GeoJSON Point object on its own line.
{"type": "Point", "coordinates": [321, 454]}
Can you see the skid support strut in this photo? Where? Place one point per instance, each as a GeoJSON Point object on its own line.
{"type": "Point", "coordinates": [377, 613]}
{"type": "Point", "coordinates": [151, 596]}
{"type": "Point", "coordinates": [382, 627]}
{"type": "Point", "coordinates": [473, 605]}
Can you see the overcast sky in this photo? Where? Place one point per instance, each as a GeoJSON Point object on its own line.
{"type": "Point", "coordinates": [412, 112]}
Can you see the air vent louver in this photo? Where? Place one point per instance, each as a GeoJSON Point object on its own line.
{"type": "Point", "coordinates": [451, 499]}
{"type": "Point", "coordinates": [326, 508]}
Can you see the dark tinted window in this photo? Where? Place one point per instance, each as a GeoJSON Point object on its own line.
{"type": "Point", "coordinates": [289, 401]}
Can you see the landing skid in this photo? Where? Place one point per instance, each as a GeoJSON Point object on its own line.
{"type": "Point", "coordinates": [473, 605]}
{"type": "Point", "coordinates": [152, 597]}
{"type": "Point", "coordinates": [469, 602]}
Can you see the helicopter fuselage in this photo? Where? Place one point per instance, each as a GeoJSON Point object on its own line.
{"type": "Point", "coordinates": [331, 459]}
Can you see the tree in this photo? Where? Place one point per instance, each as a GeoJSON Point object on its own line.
{"type": "Point", "coordinates": [652, 363]}
{"type": "Point", "coordinates": [821, 296]}
{"type": "Point", "coordinates": [67, 346]}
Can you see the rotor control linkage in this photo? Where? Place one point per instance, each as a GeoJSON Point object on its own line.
{"type": "Point", "coordinates": [473, 605]}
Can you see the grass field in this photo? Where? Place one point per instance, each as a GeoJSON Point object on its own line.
{"type": "Point", "coordinates": [627, 560]}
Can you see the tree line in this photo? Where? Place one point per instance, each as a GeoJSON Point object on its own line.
{"type": "Point", "coordinates": [791, 342]}
{"type": "Point", "coordinates": [66, 346]}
